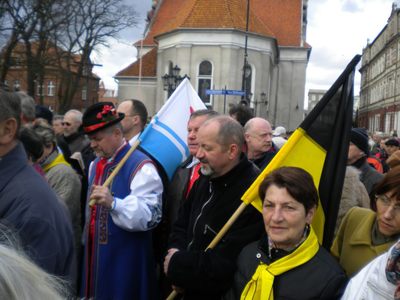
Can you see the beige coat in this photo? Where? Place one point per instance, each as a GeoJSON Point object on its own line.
{"type": "Point", "coordinates": [353, 194]}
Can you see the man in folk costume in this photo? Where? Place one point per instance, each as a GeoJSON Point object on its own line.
{"type": "Point", "coordinates": [118, 257]}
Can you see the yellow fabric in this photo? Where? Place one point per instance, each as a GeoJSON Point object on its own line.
{"type": "Point", "coordinates": [352, 246]}
{"type": "Point", "coordinates": [299, 151]}
{"type": "Point", "coordinates": [59, 160]}
{"type": "Point", "coordinates": [261, 283]}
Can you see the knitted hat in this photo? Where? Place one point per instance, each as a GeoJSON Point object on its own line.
{"type": "Point", "coordinates": [44, 113]}
{"type": "Point", "coordinates": [32, 143]}
{"type": "Point", "coordinates": [392, 142]}
{"type": "Point", "coordinates": [359, 137]}
{"type": "Point", "coordinates": [98, 117]}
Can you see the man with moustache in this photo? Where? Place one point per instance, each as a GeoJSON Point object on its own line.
{"type": "Point", "coordinates": [188, 172]}
{"type": "Point", "coordinates": [225, 175]}
{"type": "Point", "coordinates": [118, 257]}
{"type": "Point", "coordinates": [260, 148]}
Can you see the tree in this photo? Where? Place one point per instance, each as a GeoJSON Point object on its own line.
{"type": "Point", "coordinates": [59, 35]}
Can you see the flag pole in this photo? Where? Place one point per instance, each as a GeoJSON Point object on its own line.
{"type": "Point", "coordinates": [219, 236]}
{"type": "Point", "coordinates": [125, 158]}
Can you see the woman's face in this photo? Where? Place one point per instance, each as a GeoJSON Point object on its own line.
{"type": "Point", "coordinates": [387, 216]}
{"type": "Point", "coordinates": [284, 217]}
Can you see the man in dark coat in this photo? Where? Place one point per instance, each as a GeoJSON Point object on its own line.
{"type": "Point", "coordinates": [225, 175]}
{"type": "Point", "coordinates": [260, 148]}
{"type": "Point", "coordinates": [188, 172]}
{"type": "Point", "coordinates": [27, 202]}
{"type": "Point", "coordinates": [357, 157]}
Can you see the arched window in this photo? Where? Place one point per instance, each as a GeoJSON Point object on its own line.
{"type": "Point", "coordinates": [205, 81]}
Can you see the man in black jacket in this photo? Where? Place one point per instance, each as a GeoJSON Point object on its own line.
{"type": "Point", "coordinates": [260, 148]}
{"type": "Point", "coordinates": [187, 173]}
{"type": "Point", "coordinates": [225, 175]}
{"type": "Point", "coordinates": [357, 157]}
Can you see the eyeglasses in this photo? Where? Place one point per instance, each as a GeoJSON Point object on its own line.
{"type": "Point", "coordinates": [385, 202]}
{"type": "Point", "coordinates": [66, 123]}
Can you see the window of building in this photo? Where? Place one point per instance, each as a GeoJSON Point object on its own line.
{"type": "Point", "coordinates": [377, 122]}
{"type": "Point", "coordinates": [84, 94]}
{"type": "Point", "coordinates": [50, 88]}
{"type": "Point", "coordinates": [95, 87]}
{"type": "Point", "coordinates": [40, 89]}
{"type": "Point", "coordinates": [16, 85]}
{"type": "Point", "coordinates": [205, 81]}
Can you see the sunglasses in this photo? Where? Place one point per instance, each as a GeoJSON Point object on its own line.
{"type": "Point", "coordinates": [66, 123]}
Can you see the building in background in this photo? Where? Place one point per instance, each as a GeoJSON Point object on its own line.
{"type": "Point", "coordinates": [313, 98]}
{"type": "Point", "coordinates": [206, 41]}
{"type": "Point", "coordinates": [380, 79]}
{"type": "Point", "coordinates": [49, 92]}
{"type": "Point", "coordinates": [107, 95]}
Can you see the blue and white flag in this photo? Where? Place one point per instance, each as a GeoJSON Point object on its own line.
{"type": "Point", "coordinates": [166, 136]}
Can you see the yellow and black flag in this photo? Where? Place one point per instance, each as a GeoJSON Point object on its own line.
{"type": "Point", "coordinates": [320, 146]}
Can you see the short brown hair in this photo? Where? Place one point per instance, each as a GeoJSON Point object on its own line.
{"type": "Point", "coordinates": [389, 183]}
{"type": "Point", "coordinates": [296, 181]}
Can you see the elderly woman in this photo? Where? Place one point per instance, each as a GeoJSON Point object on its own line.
{"type": "Point", "coordinates": [60, 175]}
{"type": "Point", "coordinates": [288, 262]}
{"type": "Point", "coordinates": [364, 234]}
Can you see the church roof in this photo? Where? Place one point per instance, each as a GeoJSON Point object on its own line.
{"type": "Point", "coordinates": [149, 66]}
{"type": "Point", "coordinates": [275, 18]}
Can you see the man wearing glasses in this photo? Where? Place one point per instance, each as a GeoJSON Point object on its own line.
{"type": "Point", "coordinates": [135, 119]}
{"type": "Point", "coordinates": [260, 148]}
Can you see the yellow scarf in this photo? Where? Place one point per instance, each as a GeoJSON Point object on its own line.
{"type": "Point", "coordinates": [260, 285]}
{"type": "Point", "coordinates": [59, 160]}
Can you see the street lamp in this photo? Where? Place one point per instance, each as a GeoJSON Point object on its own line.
{"type": "Point", "coordinates": [171, 81]}
{"type": "Point", "coordinates": [263, 97]}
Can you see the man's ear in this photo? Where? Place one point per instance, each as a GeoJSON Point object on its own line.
{"type": "Point", "coordinates": [8, 131]}
{"type": "Point", "coordinates": [233, 151]}
{"type": "Point", "coordinates": [246, 137]}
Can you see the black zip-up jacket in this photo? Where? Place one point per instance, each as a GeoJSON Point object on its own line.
{"type": "Point", "coordinates": [210, 204]}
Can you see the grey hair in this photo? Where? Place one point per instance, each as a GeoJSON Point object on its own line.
{"type": "Point", "coordinates": [204, 112]}
{"type": "Point", "coordinates": [109, 130]}
{"type": "Point", "coordinates": [10, 105]}
{"type": "Point", "coordinates": [20, 278]}
{"type": "Point", "coordinates": [27, 106]}
{"type": "Point", "coordinates": [230, 132]}
{"type": "Point", "coordinates": [58, 117]}
{"type": "Point", "coordinates": [45, 131]}
{"type": "Point", "coordinates": [78, 115]}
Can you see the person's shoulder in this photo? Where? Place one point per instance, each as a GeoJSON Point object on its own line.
{"type": "Point", "coordinates": [328, 262]}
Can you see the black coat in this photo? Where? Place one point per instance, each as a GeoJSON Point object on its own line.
{"type": "Point", "coordinates": [319, 278]}
{"type": "Point", "coordinates": [211, 202]}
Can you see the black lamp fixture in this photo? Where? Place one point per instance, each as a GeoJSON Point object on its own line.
{"type": "Point", "coordinates": [171, 81]}
{"type": "Point", "coordinates": [264, 98]}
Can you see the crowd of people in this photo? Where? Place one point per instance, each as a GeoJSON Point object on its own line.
{"type": "Point", "coordinates": [70, 227]}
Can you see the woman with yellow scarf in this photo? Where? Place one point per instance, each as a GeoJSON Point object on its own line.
{"type": "Point", "coordinates": [288, 262]}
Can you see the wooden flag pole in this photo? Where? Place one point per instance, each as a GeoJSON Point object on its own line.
{"type": "Point", "coordinates": [119, 166]}
{"type": "Point", "coordinates": [219, 236]}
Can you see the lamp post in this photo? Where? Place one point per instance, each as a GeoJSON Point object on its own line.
{"type": "Point", "coordinates": [246, 79]}
{"type": "Point", "coordinates": [171, 81]}
{"type": "Point", "coordinates": [264, 100]}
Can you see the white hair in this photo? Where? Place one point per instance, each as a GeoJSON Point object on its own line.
{"type": "Point", "coordinates": [20, 278]}
{"type": "Point", "coordinates": [78, 115]}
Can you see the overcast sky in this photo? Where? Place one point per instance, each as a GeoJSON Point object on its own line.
{"type": "Point", "coordinates": [337, 30]}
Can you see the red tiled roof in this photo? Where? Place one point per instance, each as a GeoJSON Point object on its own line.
{"type": "Point", "coordinates": [277, 18]}
{"type": "Point", "coordinates": [149, 66]}
{"type": "Point", "coordinates": [283, 17]}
